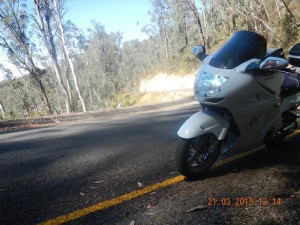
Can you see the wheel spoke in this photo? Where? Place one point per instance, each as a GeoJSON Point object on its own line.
{"type": "Point", "coordinates": [192, 154]}
{"type": "Point", "coordinates": [195, 156]}
{"type": "Point", "coordinates": [200, 153]}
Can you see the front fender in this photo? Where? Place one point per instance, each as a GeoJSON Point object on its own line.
{"type": "Point", "coordinates": [204, 122]}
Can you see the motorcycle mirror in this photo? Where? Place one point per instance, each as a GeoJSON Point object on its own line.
{"type": "Point", "coordinates": [273, 63]}
{"type": "Point", "coordinates": [199, 51]}
{"type": "Point", "coordinates": [252, 67]}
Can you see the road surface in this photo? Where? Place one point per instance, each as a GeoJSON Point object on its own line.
{"type": "Point", "coordinates": [66, 169]}
{"type": "Point", "coordinates": [50, 171]}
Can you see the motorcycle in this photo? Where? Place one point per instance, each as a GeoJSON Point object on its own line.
{"type": "Point", "coordinates": [248, 97]}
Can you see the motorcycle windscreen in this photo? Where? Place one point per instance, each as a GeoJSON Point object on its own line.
{"type": "Point", "coordinates": [242, 46]}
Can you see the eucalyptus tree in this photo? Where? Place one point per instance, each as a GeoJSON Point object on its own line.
{"type": "Point", "coordinates": [17, 40]}
{"type": "Point", "coordinates": [2, 110]}
{"type": "Point", "coordinates": [160, 13]}
{"type": "Point", "coordinates": [191, 4]}
{"type": "Point", "coordinates": [44, 22]}
{"type": "Point", "coordinates": [58, 7]}
{"type": "Point", "coordinates": [104, 58]}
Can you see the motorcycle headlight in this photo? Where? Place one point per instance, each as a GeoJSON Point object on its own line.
{"type": "Point", "coordinates": [207, 85]}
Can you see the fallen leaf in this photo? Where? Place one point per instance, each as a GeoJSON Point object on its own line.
{"type": "Point", "coordinates": [148, 206]}
{"type": "Point", "coordinates": [275, 170]}
{"type": "Point", "coordinates": [153, 193]}
{"type": "Point", "coordinates": [297, 194]}
{"type": "Point", "coordinates": [56, 121]}
{"type": "Point", "coordinates": [199, 207]}
{"type": "Point", "coordinates": [82, 194]}
{"type": "Point", "coordinates": [276, 217]}
{"type": "Point", "coordinates": [132, 222]}
{"type": "Point", "coordinates": [95, 187]}
{"type": "Point", "coordinates": [140, 184]}
{"type": "Point", "coordinates": [98, 181]}
{"type": "Point", "coordinates": [272, 172]}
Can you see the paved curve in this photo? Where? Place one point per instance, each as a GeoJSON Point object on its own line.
{"type": "Point", "coordinates": [50, 171]}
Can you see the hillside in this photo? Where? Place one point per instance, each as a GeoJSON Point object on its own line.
{"type": "Point", "coordinates": [68, 70]}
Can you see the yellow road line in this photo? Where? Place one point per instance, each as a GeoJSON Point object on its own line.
{"type": "Point", "coordinates": [244, 154]}
{"type": "Point", "coordinates": [222, 162]}
{"type": "Point", "coordinates": [112, 202]}
{"type": "Point", "coordinates": [126, 197]}
{"type": "Point", "coordinates": [293, 134]}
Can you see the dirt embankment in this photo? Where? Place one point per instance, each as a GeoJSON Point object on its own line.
{"type": "Point", "coordinates": [167, 82]}
{"type": "Point", "coordinates": [165, 88]}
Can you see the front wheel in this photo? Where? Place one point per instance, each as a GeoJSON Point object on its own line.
{"type": "Point", "coordinates": [195, 156]}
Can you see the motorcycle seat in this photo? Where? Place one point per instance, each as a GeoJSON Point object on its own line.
{"type": "Point", "coordinates": [290, 85]}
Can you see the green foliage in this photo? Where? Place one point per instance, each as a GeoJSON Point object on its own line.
{"type": "Point", "coordinates": [290, 33]}
{"type": "Point", "coordinates": [113, 103]}
{"type": "Point", "coordinates": [124, 100]}
{"type": "Point", "coordinates": [128, 100]}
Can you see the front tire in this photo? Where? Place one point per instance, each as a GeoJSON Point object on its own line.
{"type": "Point", "coordinates": [195, 156]}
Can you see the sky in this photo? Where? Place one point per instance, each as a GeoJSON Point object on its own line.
{"type": "Point", "coordinates": [116, 16]}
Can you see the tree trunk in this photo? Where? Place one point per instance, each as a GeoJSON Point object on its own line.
{"type": "Point", "coordinates": [166, 44]}
{"type": "Point", "coordinates": [234, 22]}
{"type": "Point", "coordinates": [61, 84]}
{"type": "Point", "coordinates": [204, 17]}
{"type": "Point", "coordinates": [249, 27]}
{"type": "Point", "coordinates": [193, 7]}
{"type": "Point", "coordinates": [50, 46]}
{"type": "Point", "coordinates": [44, 96]}
{"type": "Point", "coordinates": [97, 96]}
{"type": "Point", "coordinates": [278, 10]}
{"type": "Point", "coordinates": [59, 110]}
{"type": "Point", "coordinates": [185, 33]}
{"type": "Point", "coordinates": [90, 91]}
{"type": "Point", "coordinates": [265, 9]}
{"type": "Point", "coordinates": [69, 88]}
{"type": "Point", "coordinates": [287, 9]}
{"type": "Point", "coordinates": [66, 50]}
{"type": "Point", "coordinates": [2, 110]}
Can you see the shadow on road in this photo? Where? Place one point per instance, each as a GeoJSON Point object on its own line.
{"type": "Point", "coordinates": [53, 174]}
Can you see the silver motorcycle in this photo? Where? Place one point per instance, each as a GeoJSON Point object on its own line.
{"type": "Point", "coordinates": [248, 97]}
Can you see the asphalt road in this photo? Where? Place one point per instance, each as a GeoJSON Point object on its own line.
{"type": "Point", "coordinates": [50, 171]}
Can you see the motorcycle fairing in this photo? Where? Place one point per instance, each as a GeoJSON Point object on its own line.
{"type": "Point", "coordinates": [202, 122]}
{"type": "Point", "coordinates": [290, 101]}
{"type": "Point", "coordinates": [253, 101]}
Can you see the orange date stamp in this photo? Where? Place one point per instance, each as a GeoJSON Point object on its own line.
{"type": "Point", "coordinates": [240, 201]}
